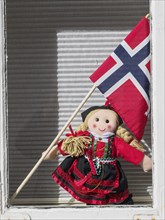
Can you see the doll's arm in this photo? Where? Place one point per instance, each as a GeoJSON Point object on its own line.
{"type": "Point", "coordinates": [128, 152]}
{"type": "Point", "coordinates": [146, 163]}
{"type": "Point", "coordinates": [52, 154]}
{"type": "Point", "coordinates": [132, 155]}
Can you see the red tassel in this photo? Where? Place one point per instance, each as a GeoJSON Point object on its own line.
{"type": "Point", "coordinates": [71, 130]}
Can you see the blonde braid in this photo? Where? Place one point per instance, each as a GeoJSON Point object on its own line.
{"type": "Point", "coordinates": [82, 127]}
{"type": "Point", "coordinates": [128, 138]}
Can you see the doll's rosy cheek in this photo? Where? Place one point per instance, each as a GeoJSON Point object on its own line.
{"type": "Point", "coordinates": [94, 125]}
{"type": "Point", "coordinates": [109, 127]}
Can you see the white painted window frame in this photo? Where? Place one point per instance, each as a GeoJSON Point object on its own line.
{"type": "Point", "coordinates": [157, 211]}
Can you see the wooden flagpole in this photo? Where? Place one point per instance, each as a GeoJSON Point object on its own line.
{"type": "Point", "coordinates": [51, 145]}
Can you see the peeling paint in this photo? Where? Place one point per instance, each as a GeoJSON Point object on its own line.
{"type": "Point", "coordinates": [144, 217]}
{"type": "Point", "coordinates": [16, 216]}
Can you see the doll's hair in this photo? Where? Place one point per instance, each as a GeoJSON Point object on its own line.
{"type": "Point", "coordinates": [92, 110]}
{"type": "Point", "coordinates": [84, 125]}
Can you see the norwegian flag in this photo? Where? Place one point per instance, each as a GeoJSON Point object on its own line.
{"type": "Point", "coordinates": [124, 78]}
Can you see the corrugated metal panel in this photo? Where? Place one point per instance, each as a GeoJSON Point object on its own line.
{"type": "Point", "coordinates": [53, 47]}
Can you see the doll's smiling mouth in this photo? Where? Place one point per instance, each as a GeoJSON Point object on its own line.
{"type": "Point", "coordinates": [102, 130]}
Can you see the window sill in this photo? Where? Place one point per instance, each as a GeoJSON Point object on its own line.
{"type": "Point", "coordinates": [94, 212]}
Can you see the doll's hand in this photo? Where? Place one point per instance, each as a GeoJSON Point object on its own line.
{"type": "Point", "coordinates": [52, 154]}
{"type": "Point", "coordinates": [146, 163]}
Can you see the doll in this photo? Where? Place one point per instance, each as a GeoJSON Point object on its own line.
{"type": "Point", "coordinates": [91, 172]}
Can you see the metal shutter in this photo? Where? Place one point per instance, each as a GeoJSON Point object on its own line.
{"type": "Point", "coordinates": [53, 46]}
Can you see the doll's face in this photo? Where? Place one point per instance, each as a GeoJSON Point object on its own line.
{"type": "Point", "coordinates": [102, 121]}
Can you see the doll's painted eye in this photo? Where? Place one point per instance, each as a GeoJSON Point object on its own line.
{"type": "Point", "coordinates": [107, 121]}
{"type": "Point", "coordinates": [96, 119]}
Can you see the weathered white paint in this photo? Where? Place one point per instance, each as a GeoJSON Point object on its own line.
{"type": "Point", "coordinates": [158, 56]}
{"type": "Point", "coordinates": [113, 213]}
{"type": "Point", "coordinates": [3, 155]}
{"type": "Point", "coordinates": [16, 216]}
{"type": "Point", "coordinates": [110, 212]}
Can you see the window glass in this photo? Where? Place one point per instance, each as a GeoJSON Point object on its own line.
{"type": "Point", "coordinates": [53, 47]}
